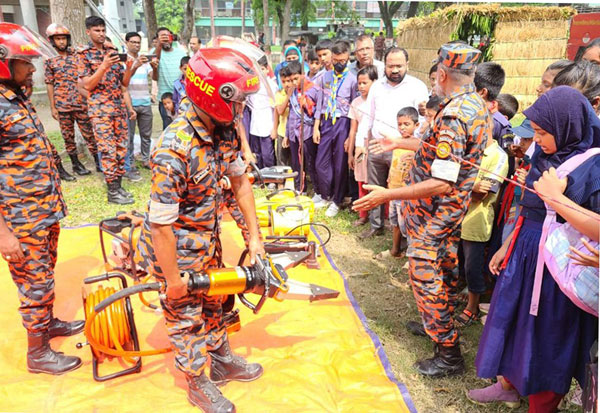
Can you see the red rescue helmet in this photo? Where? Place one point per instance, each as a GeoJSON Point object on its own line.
{"type": "Point", "coordinates": [18, 42]}
{"type": "Point", "coordinates": [217, 78]}
{"type": "Point", "coordinates": [58, 30]}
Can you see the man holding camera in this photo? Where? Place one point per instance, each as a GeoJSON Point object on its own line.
{"type": "Point", "coordinates": [166, 68]}
{"type": "Point", "coordinates": [139, 91]}
{"type": "Point", "coordinates": [106, 80]}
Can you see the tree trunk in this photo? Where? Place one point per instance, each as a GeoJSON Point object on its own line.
{"type": "Point", "coordinates": [71, 14]}
{"type": "Point", "coordinates": [189, 22]}
{"type": "Point", "coordinates": [150, 17]}
{"type": "Point", "coordinates": [266, 27]}
{"type": "Point", "coordinates": [243, 9]}
{"type": "Point", "coordinates": [213, 30]}
{"type": "Point", "coordinates": [285, 24]}
{"type": "Point", "coordinates": [412, 9]}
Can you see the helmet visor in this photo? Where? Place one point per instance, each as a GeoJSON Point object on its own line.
{"type": "Point", "coordinates": [266, 90]}
{"type": "Point", "coordinates": [27, 45]}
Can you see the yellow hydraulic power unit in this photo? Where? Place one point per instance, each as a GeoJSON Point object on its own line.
{"type": "Point", "coordinates": [286, 212]}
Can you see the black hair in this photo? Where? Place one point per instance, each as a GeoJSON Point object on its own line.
{"type": "Point", "coordinates": [288, 42]}
{"type": "Point", "coordinates": [294, 67]}
{"type": "Point", "coordinates": [583, 49]}
{"type": "Point", "coordinates": [155, 36]}
{"type": "Point", "coordinates": [559, 65]}
{"type": "Point", "coordinates": [184, 61]}
{"type": "Point", "coordinates": [129, 35]}
{"type": "Point", "coordinates": [166, 95]}
{"type": "Point", "coordinates": [107, 39]}
{"type": "Point", "coordinates": [369, 70]}
{"type": "Point", "coordinates": [263, 61]}
{"type": "Point", "coordinates": [285, 71]}
{"type": "Point", "coordinates": [490, 76]}
{"type": "Point", "coordinates": [324, 44]}
{"type": "Point", "coordinates": [340, 47]}
{"type": "Point", "coordinates": [508, 105]}
{"type": "Point", "coordinates": [311, 56]}
{"type": "Point", "coordinates": [409, 112]}
{"type": "Point", "coordinates": [395, 49]}
{"type": "Point", "coordinates": [583, 76]}
{"type": "Point", "coordinates": [433, 102]}
{"type": "Point", "coordinates": [94, 21]}
{"type": "Point", "coordinates": [433, 69]}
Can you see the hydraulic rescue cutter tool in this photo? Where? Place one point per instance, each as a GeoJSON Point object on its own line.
{"type": "Point", "coordinates": [110, 327]}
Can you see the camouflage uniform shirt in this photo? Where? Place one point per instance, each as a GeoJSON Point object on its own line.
{"type": "Point", "coordinates": [30, 193]}
{"type": "Point", "coordinates": [461, 128]}
{"type": "Point", "coordinates": [63, 74]}
{"type": "Point", "coordinates": [188, 167]}
{"type": "Point", "coordinates": [106, 99]}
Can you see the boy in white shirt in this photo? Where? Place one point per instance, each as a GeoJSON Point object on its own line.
{"type": "Point", "coordinates": [262, 131]}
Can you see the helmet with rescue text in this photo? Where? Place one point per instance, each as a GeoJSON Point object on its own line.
{"type": "Point", "coordinates": [218, 81]}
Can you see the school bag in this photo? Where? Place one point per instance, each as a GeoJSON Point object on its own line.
{"type": "Point", "coordinates": [579, 283]}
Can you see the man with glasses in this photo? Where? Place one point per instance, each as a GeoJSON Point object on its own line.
{"type": "Point", "coordinates": [139, 91]}
{"type": "Point", "coordinates": [386, 97]}
{"type": "Point", "coordinates": [364, 50]}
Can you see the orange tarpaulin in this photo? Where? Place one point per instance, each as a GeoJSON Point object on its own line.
{"type": "Point", "coordinates": [318, 357]}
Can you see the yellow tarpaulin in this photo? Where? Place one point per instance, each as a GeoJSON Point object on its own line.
{"type": "Point", "coordinates": [317, 357]}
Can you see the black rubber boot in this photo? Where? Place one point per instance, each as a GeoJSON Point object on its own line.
{"type": "Point", "coordinates": [42, 359]}
{"type": "Point", "coordinates": [59, 328]}
{"type": "Point", "coordinates": [64, 175]}
{"type": "Point", "coordinates": [78, 167]}
{"type": "Point", "coordinates": [205, 395]}
{"type": "Point", "coordinates": [123, 191]}
{"type": "Point", "coordinates": [115, 197]}
{"type": "Point", "coordinates": [97, 162]}
{"type": "Point", "coordinates": [416, 328]}
{"type": "Point", "coordinates": [226, 366]}
{"type": "Point", "coordinates": [447, 361]}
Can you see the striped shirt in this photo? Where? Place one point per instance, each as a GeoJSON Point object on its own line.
{"type": "Point", "coordinates": [139, 88]}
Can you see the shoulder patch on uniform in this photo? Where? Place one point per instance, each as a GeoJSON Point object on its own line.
{"type": "Point", "coordinates": [446, 135]}
{"type": "Point", "coordinates": [183, 136]}
{"type": "Point", "coordinates": [443, 150]}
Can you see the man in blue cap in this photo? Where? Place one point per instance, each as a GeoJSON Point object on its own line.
{"type": "Point", "coordinates": [436, 201]}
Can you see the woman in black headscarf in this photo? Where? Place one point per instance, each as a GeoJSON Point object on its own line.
{"type": "Point", "coordinates": [539, 355]}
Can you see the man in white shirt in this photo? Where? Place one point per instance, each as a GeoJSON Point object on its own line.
{"type": "Point", "coordinates": [364, 50]}
{"type": "Point", "coordinates": [387, 96]}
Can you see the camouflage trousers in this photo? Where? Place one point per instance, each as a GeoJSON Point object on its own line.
{"type": "Point", "coordinates": [67, 121]}
{"type": "Point", "coordinates": [34, 277]}
{"type": "Point", "coordinates": [435, 287]}
{"type": "Point", "coordinates": [112, 137]}
{"type": "Point", "coordinates": [195, 321]}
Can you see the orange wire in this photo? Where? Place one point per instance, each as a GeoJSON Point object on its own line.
{"type": "Point", "coordinates": [108, 331]}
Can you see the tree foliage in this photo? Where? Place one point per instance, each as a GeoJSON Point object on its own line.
{"type": "Point", "coordinates": [169, 13]}
{"type": "Point", "coordinates": [388, 9]}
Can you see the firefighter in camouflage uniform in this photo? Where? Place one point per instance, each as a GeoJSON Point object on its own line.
{"type": "Point", "coordinates": [31, 201]}
{"type": "Point", "coordinates": [436, 200]}
{"type": "Point", "coordinates": [196, 158]}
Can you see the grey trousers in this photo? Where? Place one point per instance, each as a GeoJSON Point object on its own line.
{"type": "Point", "coordinates": [144, 123]}
{"type": "Point", "coordinates": [378, 168]}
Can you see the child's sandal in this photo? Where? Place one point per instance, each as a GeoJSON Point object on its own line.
{"type": "Point", "coordinates": [466, 318]}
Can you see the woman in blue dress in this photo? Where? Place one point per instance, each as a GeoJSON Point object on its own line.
{"type": "Point", "coordinates": [539, 355]}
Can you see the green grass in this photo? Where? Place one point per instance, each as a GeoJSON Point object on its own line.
{"type": "Point", "coordinates": [86, 197]}
{"type": "Point", "coordinates": [381, 288]}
